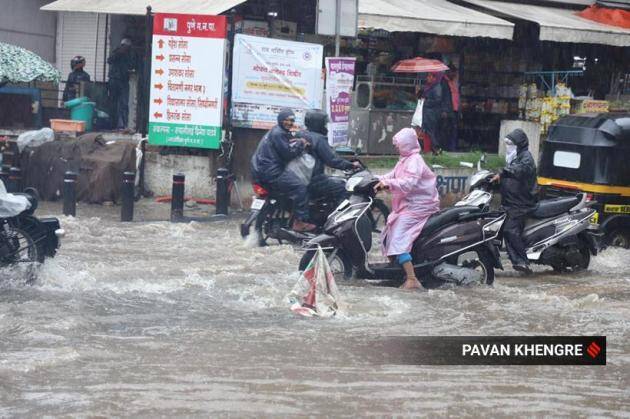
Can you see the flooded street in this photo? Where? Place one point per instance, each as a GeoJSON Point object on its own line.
{"type": "Point", "coordinates": [154, 318]}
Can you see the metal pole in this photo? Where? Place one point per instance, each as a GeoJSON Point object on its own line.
{"type": "Point", "coordinates": [70, 194]}
{"type": "Point", "coordinates": [338, 28]}
{"type": "Point", "coordinates": [177, 197]}
{"type": "Point", "coordinates": [15, 180]}
{"type": "Point", "coordinates": [142, 121]}
{"type": "Point", "coordinates": [127, 192]}
{"type": "Point", "coordinates": [228, 111]}
{"type": "Point", "coordinates": [223, 192]}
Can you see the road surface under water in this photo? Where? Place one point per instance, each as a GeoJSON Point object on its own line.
{"type": "Point", "coordinates": [154, 318]}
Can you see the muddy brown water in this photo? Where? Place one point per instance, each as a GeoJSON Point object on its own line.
{"type": "Point", "coordinates": [154, 318]}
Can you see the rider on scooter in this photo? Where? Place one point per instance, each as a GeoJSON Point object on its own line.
{"type": "Point", "coordinates": [317, 135]}
{"type": "Point", "coordinates": [268, 164]}
{"type": "Point", "coordinates": [414, 199]}
{"type": "Point", "coordinates": [517, 180]}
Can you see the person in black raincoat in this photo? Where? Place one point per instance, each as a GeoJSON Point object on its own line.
{"type": "Point", "coordinates": [276, 149]}
{"type": "Point", "coordinates": [121, 64]}
{"type": "Point", "coordinates": [75, 78]}
{"type": "Point", "coordinates": [518, 182]}
{"type": "Point", "coordinates": [317, 135]}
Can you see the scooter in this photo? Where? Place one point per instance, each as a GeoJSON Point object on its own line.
{"type": "Point", "coordinates": [559, 233]}
{"type": "Point", "coordinates": [456, 246]}
{"type": "Point", "coordinates": [23, 236]}
{"type": "Point", "coordinates": [272, 219]}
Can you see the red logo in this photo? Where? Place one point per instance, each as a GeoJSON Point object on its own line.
{"type": "Point", "coordinates": [593, 350]}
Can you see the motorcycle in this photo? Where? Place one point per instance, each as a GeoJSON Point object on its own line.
{"type": "Point", "coordinates": [456, 245]}
{"type": "Point", "coordinates": [558, 233]}
{"type": "Point", "coordinates": [23, 236]}
{"type": "Point", "coordinates": [272, 219]}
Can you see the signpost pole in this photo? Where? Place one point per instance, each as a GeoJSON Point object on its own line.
{"type": "Point", "coordinates": [337, 27]}
{"type": "Point", "coordinates": [142, 121]}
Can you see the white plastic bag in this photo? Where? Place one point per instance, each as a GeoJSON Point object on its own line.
{"type": "Point", "coordinates": [316, 293]}
{"type": "Point", "coordinates": [11, 205]}
{"type": "Point", "coordinates": [35, 138]}
{"type": "Point", "coordinates": [302, 167]}
{"type": "Point", "coordinates": [416, 120]}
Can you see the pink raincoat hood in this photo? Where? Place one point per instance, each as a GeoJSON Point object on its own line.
{"type": "Point", "coordinates": [407, 142]}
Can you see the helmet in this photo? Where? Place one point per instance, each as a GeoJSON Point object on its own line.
{"type": "Point", "coordinates": [316, 121]}
{"type": "Point", "coordinates": [76, 60]}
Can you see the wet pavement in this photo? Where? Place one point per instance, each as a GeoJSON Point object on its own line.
{"type": "Point", "coordinates": [153, 318]}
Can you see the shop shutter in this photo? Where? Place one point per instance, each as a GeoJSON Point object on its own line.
{"type": "Point", "coordinates": [82, 34]}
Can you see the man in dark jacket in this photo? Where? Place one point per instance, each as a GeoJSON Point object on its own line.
{"type": "Point", "coordinates": [121, 64]}
{"type": "Point", "coordinates": [276, 149]}
{"type": "Point", "coordinates": [317, 135]}
{"type": "Point", "coordinates": [75, 78]}
{"type": "Point", "coordinates": [518, 180]}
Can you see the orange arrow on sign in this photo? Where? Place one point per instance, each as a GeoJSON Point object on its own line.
{"type": "Point", "coordinates": [158, 101]}
{"type": "Point", "coordinates": [159, 57]}
{"type": "Point", "coordinates": [161, 43]}
{"type": "Point", "coordinates": [158, 115]}
{"type": "Point", "coordinates": [158, 86]}
{"type": "Point", "coordinates": [159, 71]}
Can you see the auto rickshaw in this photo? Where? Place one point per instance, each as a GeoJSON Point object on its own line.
{"type": "Point", "coordinates": [591, 153]}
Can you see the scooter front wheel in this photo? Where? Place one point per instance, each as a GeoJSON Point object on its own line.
{"type": "Point", "coordinates": [340, 263]}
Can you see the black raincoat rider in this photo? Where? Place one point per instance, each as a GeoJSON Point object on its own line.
{"type": "Point", "coordinates": [322, 185]}
{"type": "Point", "coordinates": [518, 183]}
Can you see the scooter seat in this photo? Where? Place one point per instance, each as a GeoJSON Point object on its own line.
{"type": "Point", "coordinates": [553, 207]}
{"type": "Point", "coordinates": [446, 216]}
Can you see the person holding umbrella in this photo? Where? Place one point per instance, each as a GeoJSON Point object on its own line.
{"type": "Point", "coordinates": [436, 97]}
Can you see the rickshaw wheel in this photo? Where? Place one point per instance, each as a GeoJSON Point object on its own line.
{"type": "Point", "coordinates": [620, 238]}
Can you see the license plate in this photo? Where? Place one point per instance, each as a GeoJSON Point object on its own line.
{"type": "Point", "coordinates": [257, 204]}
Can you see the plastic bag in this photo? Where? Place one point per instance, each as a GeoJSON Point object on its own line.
{"type": "Point", "coordinates": [302, 167]}
{"type": "Point", "coordinates": [11, 205]}
{"type": "Point", "coordinates": [35, 138]}
{"type": "Point", "coordinates": [316, 293]}
{"type": "Point", "coordinates": [416, 120]}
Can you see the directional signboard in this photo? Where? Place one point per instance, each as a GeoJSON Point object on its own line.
{"type": "Point", "coordinates": [187, 73]}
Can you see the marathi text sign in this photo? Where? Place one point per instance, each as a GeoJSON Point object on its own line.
{"type": "Point", "coordinates": [187, 80]}
{"type": "Point", "coordinates": [339, 81]}
{"type": "Point", "coordinates": [270, 74]}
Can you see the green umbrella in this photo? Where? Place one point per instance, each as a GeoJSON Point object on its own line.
{"type": "Point", "coordinates": [18, 65]}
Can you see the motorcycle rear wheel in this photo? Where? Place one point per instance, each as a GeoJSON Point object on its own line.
{"type": "Point", "coordinates": [18, 246]}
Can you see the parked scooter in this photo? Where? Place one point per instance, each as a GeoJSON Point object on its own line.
{"type": "Point", "coordinates": [23, 236]}
{"type": "Point", "coordinates": [559, 233]}
{"type": "Point", "coordinates": [272, 218]}
{"type": "Point", "coordinates": [456, 245]}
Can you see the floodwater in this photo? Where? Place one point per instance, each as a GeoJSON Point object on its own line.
{"type": "Point", "coordinates": [154, 318]}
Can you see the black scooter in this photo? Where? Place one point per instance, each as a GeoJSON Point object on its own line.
{"type": "Point", "coordinates": [457, 245]}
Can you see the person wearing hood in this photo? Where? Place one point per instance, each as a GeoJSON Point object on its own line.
{"type": "Point", "coordinates": [518, 182]}
{"type": "Point", "coordinates": [414, 199]}
{"type": "Point", "coordinates": [316, 134]}
{"type": "Point", "coordinates": [276, 149]}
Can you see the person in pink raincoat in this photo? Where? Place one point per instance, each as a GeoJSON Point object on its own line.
{"type": "Point", "coordinates": [414, 200]}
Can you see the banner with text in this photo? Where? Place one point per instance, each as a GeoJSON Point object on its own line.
{"type": "Point", "coordinates": [271, 74]}
{"type": "Point", "coordinates": [339, 81]}
{"type": "Point", "coordinates": [187, 72]}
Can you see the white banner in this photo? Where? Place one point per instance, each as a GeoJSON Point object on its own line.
{"type": "Point", "coordinates": [270, 74]}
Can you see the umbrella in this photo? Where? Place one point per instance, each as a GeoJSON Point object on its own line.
{"type": "Point", "coordinates": [419, 65]}
{"type": "Point", "coordinates": [18, 65]}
